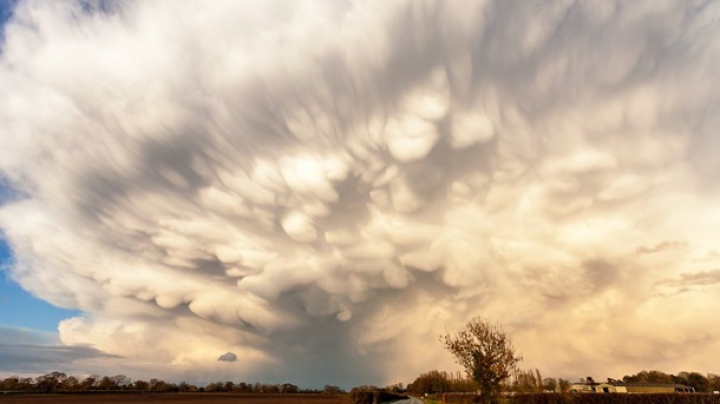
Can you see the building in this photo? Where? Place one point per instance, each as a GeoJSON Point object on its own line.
{"type": "Point", "coordinates": [614, 386]}
{"type": "Point", "coordinates": [584, 387]}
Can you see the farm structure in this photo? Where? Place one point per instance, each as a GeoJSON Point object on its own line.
{"type": "Point", "coordinates": [615, 386]}
{"type": "Point", "coordinates": [642, 388]}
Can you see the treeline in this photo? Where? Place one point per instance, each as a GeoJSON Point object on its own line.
{"type": "Point", "coordinates": [601, 399]}
{"type": "Point", "coordinates": [436, 382]}
{"type": "Point", "coordinates": [522, 381]}
{"type": "Point", "coordinates": [531, 381]}
{"type": "Point", "coordinates": [697, 380]}
{"type": "Point", "coordinates": [59, 382]}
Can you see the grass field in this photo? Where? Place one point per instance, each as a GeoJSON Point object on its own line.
{"type": "Point", "coordinates": [173, 398]}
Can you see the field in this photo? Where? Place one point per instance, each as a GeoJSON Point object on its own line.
{"type": "Point", "coordinates": [173, 398]}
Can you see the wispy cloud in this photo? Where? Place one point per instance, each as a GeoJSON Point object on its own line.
{"type": "Point", "coordinates": [323, 187]}
{"type": "Point", "coordinates": [663, 246]}
{"type": "Point", "coordinates": [685, 280]}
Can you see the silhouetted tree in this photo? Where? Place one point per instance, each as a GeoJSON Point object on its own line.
{"type": "Point", "coordinates": [332, 390]}
{"type": "Point", "coordinates": [49, 382]}
{"type": "Point", "coordinates": [527, 381]}
{"type": "Point", "coordinates": [652, 376]}
{"type": "Point", "coordinates": [431, 382]}
{"type": "Point", "coordinates": [141, 385]}
{"type": "Point", "coordinates": [714, 382]}
{"type": "Point", "coordinates": [9, 383]}
{"type": "Point", "coordinates": [161, 386]}
{"type": "Point", "coordinates": [121, 381]}
{"type": "Point", "coordinates": [106, 383]}
{"type": "Point", "coordinates": [486, 353]}
{"type": "Point", "coordinates": [563, 385]}
{"type": "Point", "coordinates": [697, 381]}
{"type": "Point", "coordinates": [89, 382]}
{"type": "Point", "coordinates": [244, 387]}
{"type": "Point", "coordinates": [71, 383]}
{"type": "Point", "coordinates": [215, 386]}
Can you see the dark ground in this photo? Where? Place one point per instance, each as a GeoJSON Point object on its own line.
{"type": "Point", "coordinates": [173, 398]}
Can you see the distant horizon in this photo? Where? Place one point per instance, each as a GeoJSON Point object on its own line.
{"type": "Point", "coordinates": [200, 383]}
{"type": "Point", "coordinates": [401, 387]}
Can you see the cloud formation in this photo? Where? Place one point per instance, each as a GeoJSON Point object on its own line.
{"type": "Point", "coordinates": [39, 352]}
{"type": "Point", "coordinates": [227, 357]}
{"type": "Point", "coordinates": [327, 186]}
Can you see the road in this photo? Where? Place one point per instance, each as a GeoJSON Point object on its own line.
{"type": "Point", "coordinates": [411, 400]}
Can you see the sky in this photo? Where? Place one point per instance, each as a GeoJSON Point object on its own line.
{"type": "Point", "coordinates": [320, 189]}
{"type": "Point", "coordinates": [20, 309]}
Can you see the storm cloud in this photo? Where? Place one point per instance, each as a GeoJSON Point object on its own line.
{"type": "Point", "coordinates": [324, 187]}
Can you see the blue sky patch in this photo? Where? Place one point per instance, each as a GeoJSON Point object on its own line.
{"type": "Point", "coordinates": [19, 308]}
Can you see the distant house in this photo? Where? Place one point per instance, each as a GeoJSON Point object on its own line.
{"type": "Point", "coordinates": [615, 386]}
{"type": "Point", "coordinates": [584, 387]}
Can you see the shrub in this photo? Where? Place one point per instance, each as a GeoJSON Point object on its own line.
{"type": "Point", "coordinates": [369, 395]}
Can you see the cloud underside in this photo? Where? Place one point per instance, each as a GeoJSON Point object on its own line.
{"type": "Point", "coordinates": [29, 351]}
{"type": "Point", "coordinates": [40, 358]}
{"type": "Point", "coordinates": [324, 188]}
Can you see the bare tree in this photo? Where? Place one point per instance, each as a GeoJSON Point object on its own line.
{"type": "Point", "coordinates": [50, 381]}
{"type": "Point", "coordinates": [486, 353]}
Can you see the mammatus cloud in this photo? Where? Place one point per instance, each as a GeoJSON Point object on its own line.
{"type": "Point", "coordinates": [326, 186]}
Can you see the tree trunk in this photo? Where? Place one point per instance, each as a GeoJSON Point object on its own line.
{"type": "Point", "coordinates": [486, 394]}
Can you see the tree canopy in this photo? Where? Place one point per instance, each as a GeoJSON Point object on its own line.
{"type": "Point", "coordinates": [486, 353]}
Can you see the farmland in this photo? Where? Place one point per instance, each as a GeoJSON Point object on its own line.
{"type": "Point", "coordinates": [174, 398]}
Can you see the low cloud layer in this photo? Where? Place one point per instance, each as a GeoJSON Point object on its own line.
{"type": "Point", "coordinates": [25, 351]}
{"type": "Point", "coordinates": [323, 188]}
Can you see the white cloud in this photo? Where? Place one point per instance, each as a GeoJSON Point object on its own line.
{"type": "Point", "coordinates": [328, 186]}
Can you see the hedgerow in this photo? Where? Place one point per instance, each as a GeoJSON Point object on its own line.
{"type": "Point", "coordinates": [550, 398]}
